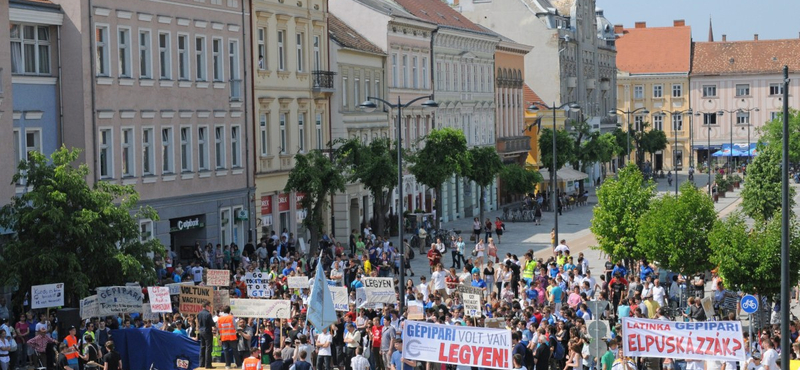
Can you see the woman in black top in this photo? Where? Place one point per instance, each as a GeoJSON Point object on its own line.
{"type": "Point", "coordinates": [91, 353]}
{"type": "Point", "coordinates": [112, 360]}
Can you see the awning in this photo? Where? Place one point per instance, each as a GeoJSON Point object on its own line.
{"type": "Point", "coordinates": [564, 174]}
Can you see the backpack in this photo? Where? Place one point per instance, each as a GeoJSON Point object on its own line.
{"type": "Point", "coordinates": [558, 354]}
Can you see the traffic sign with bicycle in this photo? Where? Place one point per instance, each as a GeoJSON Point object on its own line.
{"type": "Point", "coordinates": [749, 304]}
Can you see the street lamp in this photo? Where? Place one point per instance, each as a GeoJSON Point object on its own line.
{"type": "Point", "coordinates": [534, 107]}
{"type": "Point", "coordinates": [675, 148]}
{"type": "Point", "coordinates": [708, 147]}
{"type": "Point", "coordinates": [730, 157]}
{"type": "Point", "coordinates": [614, 112]}
{"type": "Point", "coordinates": [748, 132]}
{"type": "Point", "coordinates": [369, 106]}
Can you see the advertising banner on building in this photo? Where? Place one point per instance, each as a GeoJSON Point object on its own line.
{"type": "Point", "coordinates": [379, 290]}
{"type": "Point", "coordinates": [458, 345]}
{"type": "Point", "coordinates": [710, 340]}
{"type": "Point", "coordinates": [261, 308]}
{"type": "Point", "coordinates": [119, 299]}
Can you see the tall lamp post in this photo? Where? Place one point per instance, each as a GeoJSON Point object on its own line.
{"type": "Point", "coordinates": [370, 106]}
{"type": "Point", "coordinates": [708, 147]}
{"type": "Point", "coordinates": [534, 107]}
{"type": "Point", "coordinates": [628, 113]}
{"type": "Point", "coordinates": [675, 148]}
{"type": "Point", "coordinates": [730, 157]}
{"type": "Point", "coordinates": [748, 131]}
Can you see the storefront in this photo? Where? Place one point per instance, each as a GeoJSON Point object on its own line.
{"type": "Point", "coordinates": [184, 232]}
{"type": "Point", "coordinates": [288, 215]}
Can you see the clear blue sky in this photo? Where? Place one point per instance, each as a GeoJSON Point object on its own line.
{"type": "Point", "coordinates": [738, 19]}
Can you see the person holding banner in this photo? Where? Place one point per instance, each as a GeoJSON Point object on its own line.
{"type": "Point", "coordinates": [398, 362]}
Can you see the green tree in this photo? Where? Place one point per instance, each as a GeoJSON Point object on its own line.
{"type": "Point", "coordinates": [761, 196]}
{"type": "Point", "coordinates": [772, 135]}
{"type": "Point", "coordinates": [652, 141]}
{"type": "Point", "coordinates": [749, 259]}
{"type": "Point", "coordinates": [621, 202]}
{"type": "Point", "coordinates": [607, 148]}
{"type": "Point", "coordinates": [519, 179]}
{"type": "Point", "coordinates": [443, 156]}
{"type": "Point", "coordinates": [683, 246]}
{"type": "Point", "coordinates": [315, 176]}
{"type": "Point", "coordinates": [565, 148]}
{"type": "Point", "coordinates": [66, 231]}
{"type": "Point", "coordinates": [482, 166]}
{"type": "Point", "coordinates": [374, 165]}
{"type": "Point", "coordinates": [624, 141]}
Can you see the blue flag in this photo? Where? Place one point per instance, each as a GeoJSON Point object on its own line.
{"type": "Point", "coordinates": [321, 312]}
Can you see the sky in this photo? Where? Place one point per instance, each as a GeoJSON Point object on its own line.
{"type": "Point", "coordinates": [738, 19]}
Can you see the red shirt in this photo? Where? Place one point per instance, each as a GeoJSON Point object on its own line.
{"type": "Point", "coordinates": [352, 316]}
{"type": "Point", "coordinates": [376, 335]}
{"type": "Point", "coordinates": [433, 257]}
{"type": "Point", "coordinates": [451, 282]}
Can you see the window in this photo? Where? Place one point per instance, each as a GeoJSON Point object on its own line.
{"type": "Point", "coordinates": [200, 58]}
{"type": "Point", "coordinates": [638, 92]}
{"type": "Point", "coordinates": [677, 90]}
{"type": "Point", "coordinates": [446, 76]}
{"type": "Point", "coordinates": [677, 122]}
{"type": "Point", "coordinates": [262, 126]}
{"type": "Point", "coordinates": [709, 91]}
{"type": "Point", "coordinates": [405, 70]}
{"type": "Point", "coordinates": [262, 48]}
{"type": "Point", "coordinates": [425, 82]}
{"type": "Point", "coordinates": [378, 90]}
{"type": "Point", "coordinates": [186, 149]}
{"type": "Point", "coordinates": [216, 59]}
{"type": "Point", "coordinates": [219, 146]}
{"type": "Point", "coordinates": [638, 121]}
{"type": "Point", "coordinates": [106, 154]}
{"type": "Point", "coordinates": [317, 62]}
{"type": "Point", "coordinates": [709, 118]}
{"type": "Point", "coordinates": [233, 69]}
{"type": "Point", "coordinates": [774, 115]}
{"type": "Point", "coordinates": [145, 230]}
{"type": "Point", "coordinates": [145, 59]}
{"type": "Point", "coordinates": [183, 57]}
{"type": "Point", "coordinates": [17, 151]}
{"type": "Point", "coordinates": [301, 129]}
{"type": "Point", "coordinates": [124, 48]}
{"type": "Point", "coordinates": [319, 130]}
{"type": "Point", "coordinates": [164, 57]}
{"type": "Point", "coordinates": [202, 148]}
{"type": "Point", "coordinates": [742, 118]}
{"type": "Point", "coordinates": [283, 133]}
{"type": "Point", "coordinates": [33, 142]}
{"type": "Point", "coordinates": [776, 89]}
{"type": "Point", "coordinates": [281, 51]}
{"type": "Point", "coordinates": [463, 77]}
{"type": "Point", "coordinates": [167, 165]}
{"type": "Point", "coordinates": [101, 53]}
{"type": "Point", "coordinates": [658, 91]}
{"type": "Point", "coordinates": [357, 91]}
{"type": "Point", "coordinates": [344, 91]}
{"type": "Point", "coordinates": [127, 153]}
{"type": "Point", "coordinates": [299, 43]}
{"type": "Point", "coordinates": [147, 151]}
{"type": "Point", "coordinates": [742, 89]}
{"type": "Point", "coordinates": [658, 122]}
{"type": "Point", "coordinates": [30, 49]}
{"type": "Point", "coordinates": [439, 77]}
{"type": "Point", "coordinates": [394, 71]}
{"type": "Point", "coordinates": [236, 152]}
{"type": "Point", "coordinates": [414, 75]}
{"type": "Point", "coordinates": [367, 89]}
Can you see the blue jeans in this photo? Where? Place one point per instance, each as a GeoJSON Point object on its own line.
{"type": "Point", "coordinates": [228, 347]}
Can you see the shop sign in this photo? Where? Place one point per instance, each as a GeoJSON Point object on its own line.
{"type": "Point", "coordinates": [298, 199]}
{"type": "Point", "coordinates": [181, 224]}
{"type": "Point", "coordinates": [266, 204]}
{"type": "Point", "coordinates": [283, 202]}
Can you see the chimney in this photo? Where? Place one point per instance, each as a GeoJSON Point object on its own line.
{"type": "Point", "coordinates": [755, 37]}
{"type": "Point", "coordinates": [641, 24]}
{"type": "Point", "coordinates": [455, 2]}
{"type": "Point", "coordinates": [618, 29]}
{"type": "Point", "coordinates": [678, 23]}
{"type": "Point", "coordinates": [724, 37]}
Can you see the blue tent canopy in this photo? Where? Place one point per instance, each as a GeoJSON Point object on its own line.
{"type": "Point", "coordinates": [153, 348]}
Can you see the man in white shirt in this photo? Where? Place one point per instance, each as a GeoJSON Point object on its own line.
{"type": "Point", "coordinates": [770, 357]}
{"type": "Point", "coordinates": [437, 278]}
{"type": "Point", "coordinates": [659, 294]}
{"type": "Point", "coordinates": [197, 273]}
{"type": "Point", "coordinates": [423, 288]}
{"type": "Point", "coordinates": [359, 362]}
{"type": "Point", "coordinates": [324, 348]}
{"type": "Point", "coordinates": [562, 247]}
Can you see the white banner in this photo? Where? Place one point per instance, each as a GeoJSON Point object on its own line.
{"type": "Point", "coordinates": [218, 277]}
{"type": "Point", "coordinates": [340, 298]}
{"type": "Point", "coordinates": [148, 314]}
{"type": "Point", "coordinates": [257, 284]}
{"type": "Point", "coordinates": [175, 288]}
{"type": "Point", "coordinates": [361, 300]}
{"type": "Point", "coordinates": [297, 282]}
{"type": "Point", "coordinates": [472, 304]}
{"type": "Point", "coordinates": [261, 308]}
{"type": "Point", "coordinates": [379, 290]}
{"type": "Point", "coordinates": [48, 295]}
{"type": "Point", "coordinates": [89, 307]}
{"type": "Point", "coordinates": [459, 345]}
{"type": "Point", "coordinates": [119, 299]}
{"type": "Point", "coordinates": [710, 340]}
{"type": "Point", "coordinates": [160, 301]}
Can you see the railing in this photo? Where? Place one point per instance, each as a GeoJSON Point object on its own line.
{"type": "Point", "coordinates": [236, 90]}
{"type": "Point", "coordinates": [323, 79]}
{"type": "Point", "coordinates": [513, 144]}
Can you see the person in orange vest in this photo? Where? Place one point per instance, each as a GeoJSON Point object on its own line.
{"type": "Point", "coordinates": [71, 352]}
{"type": "Point", "coordinates": [252, 362]}
{"type": "Point", "coordinates": [227, 334]}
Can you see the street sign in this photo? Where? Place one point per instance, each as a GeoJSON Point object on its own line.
{"type": "Point", "coordinates": [598, 330]}
{"type": "Point", "coordinates": [749, 304]}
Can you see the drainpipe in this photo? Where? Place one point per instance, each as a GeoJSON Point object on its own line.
{"type": "Point", "coordinates": [251, 233]}
{"type": "Point", "coordinates": [93, 74]}
{"type": "Point", "coordinates": [60, 92]}
{"type": "Point", "coordinates": [332, 231]}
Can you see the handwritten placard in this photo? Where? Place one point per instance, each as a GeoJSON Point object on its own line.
{"type": "Point", "coordinates": [297, 282]}
{"type": "Point", "coordinates": [261, 308]}
{"type": "Point", "coordinates": [218, 277]}
{"type": "Point", "coordinates": [89, 307]}
{"type": "Point", "coordinates": [192, 297]}
{"type": "Point", "coordinates": [48, 295]}
{"type": "Point", "coordinates": [119, 299]}
{"type": "Point", "coordinates": [159, 299]}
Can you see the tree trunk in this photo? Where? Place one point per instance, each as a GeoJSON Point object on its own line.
{"type": "Point", "coordinates": [482, 202]}
{"type": "Point", "coordinates": [438, 205]}
{"type": "Point", "coordinates": [377, 212]}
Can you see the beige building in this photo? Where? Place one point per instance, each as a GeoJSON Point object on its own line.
{"type": "Point", "coordinates": [291, 87]}
{"type": "Point", "coordinates": [157, 93]}
{"type": "Point", "coordinates": [7, 167]}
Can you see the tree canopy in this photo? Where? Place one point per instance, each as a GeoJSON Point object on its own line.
{"type": "Point", "coordinates": [519, 179]}
{"type": "Point", "coordinates": [443, 156]}
{"type": "Point", "coordinates": [772, 135]}
{"type": "Point", "coordinates": [565, 148]}
{"type": "Point", "coordinates": [483, 164]}
{"type": "Point", "coordinates": [761, 196]}
{"type": "Point", "coordinates": [70, 232]}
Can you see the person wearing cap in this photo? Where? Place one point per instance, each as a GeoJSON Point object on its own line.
{"type": "Point", "coordinates": [754, 362]}
{"type": "Point", "coordinates": [39, 343]}
{"type": "Point", "coordinates": [71, 352]}
{"type": "Point", "coordinates": [287, 351]}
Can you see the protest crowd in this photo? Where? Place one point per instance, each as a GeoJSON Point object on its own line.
{"type": "Point", "coordinates": [251, 309]}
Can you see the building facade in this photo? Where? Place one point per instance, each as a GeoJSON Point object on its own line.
{"type": "Point", "coordinates": [157, 93]}
{"type": "Point", "coordinates": [291, 88]}
{"type": "Point", "coordinates": [653, 76]}
{"type": "Point", "coordinates": [736, 77]}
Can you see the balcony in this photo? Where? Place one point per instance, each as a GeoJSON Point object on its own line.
{"type": "Point", "coordinates": [508, 146]}
{"type": "Point", "coordinates": [236, 90]}
{"type": "Point", "coordinates": [323, 82]}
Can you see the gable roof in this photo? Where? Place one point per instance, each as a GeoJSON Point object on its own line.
{"type": "Point", "coordinates": [347, 37]}
{"type": "Point", "coordinates": [529, 96]}
{"type": "Point", "coordinates": [655, 50]}
{"type": "Point", "coordinates": [440, 13]}
{"type": "Point", "coordinates": [745, 57]}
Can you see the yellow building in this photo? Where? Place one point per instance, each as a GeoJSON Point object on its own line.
{"type": "Point", "coordinates": [653, 87]}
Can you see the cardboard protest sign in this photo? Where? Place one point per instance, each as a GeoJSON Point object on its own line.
{"type": "Point", "coordinates": [361, 300]}
{"type": "Point", "coordinates": [496, 323]}
{"type": "Point", "coordinates": [472, 304]}
{"type": "Point", "coordinates": [261, 308]}
{"type": "Point", "coordinates": [89, 307]}
{"type": "Point", "coordinates": [466, 346]}
{"type": "Point", "coordinates": [379, 290]}
{"type": "Point", "coordinates": [218, 277]}
{"type": "Point", "coordinates": [461, 288]}
{"type": "Point", "coordinates": [192, 297]}
{"type": "Point", "coordinates": [160, 301]}
{"type": "Point", "coordinates": [222, 298]}
{"type": "Point", "coordinates": [297, 282]}
{"type": "Point", "coordinates": [708, 306]}
{"type": "Point", "coordinates": [119, 299]}
{"type": "Point", "coordinates": [415, 310]}
{"type": "Point", "coordinates": [710, 340]}
{"type": "Point", "coordinates": [257, 284]}
{"type": "Point", "coordinates": [148, 314]}
{"type": "Point", "coordinates": [174, 288]}
{"type": "Point", "coordinates": [340, 298]}
{"type": "Point", "coordinates": [48, 295]}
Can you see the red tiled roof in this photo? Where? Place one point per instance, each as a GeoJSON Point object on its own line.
{"type": "Point", "coordinates": [439, 12]}
{"type": "Point", "coordinates": [40, 1]}
{"type": "Point", "coordinates": [529, 96]}
{"type": "Point", "coordinates": [655, 50]}
{"type": "Point", "coordinates": [745, 57]}
{"type": "Point", "coordinates": [348, 37]}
